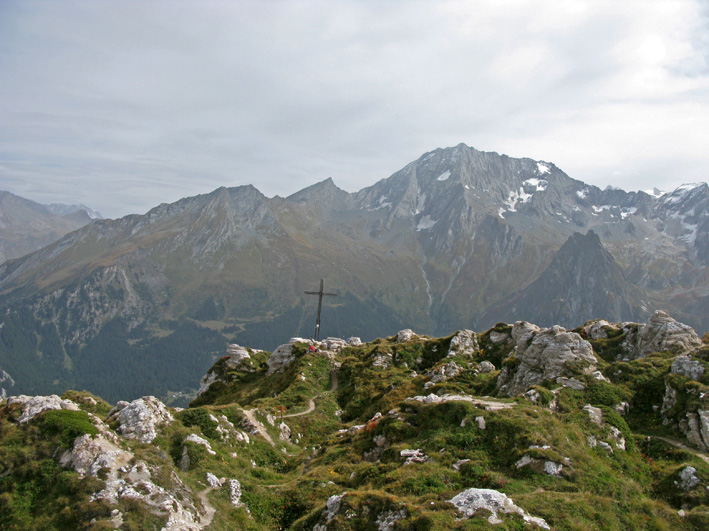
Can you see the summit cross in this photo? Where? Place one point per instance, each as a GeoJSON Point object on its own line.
{"type": "Point", "coordinates": [320, 295]}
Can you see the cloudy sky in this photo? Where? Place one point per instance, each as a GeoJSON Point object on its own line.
{"type": "Point", "coordinates": [122, 105]}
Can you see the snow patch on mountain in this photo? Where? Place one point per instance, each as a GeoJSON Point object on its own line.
{"type": "Point", "coordinates": [444, 176]}
{"type": "Point", "coordinates": [582, 194]}
{"type": "Point", "coordinates": [426, 223]}
{"type": "Point", "coordinates": [625, 212]}
{"type": "Point", "coordinates": [539, 184]}
{"type": "Point", "coordinates": [542, 168]}
{"type": "Point", "coordinates": [515, 198]}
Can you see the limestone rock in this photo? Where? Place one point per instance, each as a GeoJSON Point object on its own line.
{"type": "Point", "coordinates": [542, 355]}
{"type": "Point", "coordinates": [464, 343]}
{"type": "Point", "coordinates": [34, 405]}
{"type": "Point", "coordinates": [386, 520]}
{"type": "Point", "coordinates": [89, 455]}
{"type": "Point", "coordinates": [213, 481]}
{"type": "Point", "coordinates": [686, 366]}
{"type": "Point", "coordinates": [283, 355]}
{"type": "Point", "coordinates": [334, 344]}
{"type": "Point", "coordinates": [405, 335]}
{"type": "Point", "coordinates": [196, 439]}
{"type": "Point", "coordinates": [599, 329]}
{"type": "Point", "coordinates": [540, 466]}
{"type": "Point", "coordinates": [660, 333]}
{"type": "Point", "coordinates": [443, 372]}
{"type": "Point", "coordinates": [237, 354]}
{"type": "Point", "coordinates": [354, 341]}
{"type": "Point", "coordinates": [687, 478]}
{"type": "Point", "coordinates": [332, 509]}
{"type": "Point", "coordinates": [594, 413]}
{"type": "Point", "coordinates": [486, 366]}
{"type": "Point", "coordinates": [414, 456]}
{"type": "Point", "coordinates": [285, 432]}
{"type": "Point", "coordinates": [141, 418]}
{"type": "Point", "coordinates": [470, 501]}
{"type": "Point", "coordinates": [696, 428]}
{"type": "Point", "coordinates": [382, 359]}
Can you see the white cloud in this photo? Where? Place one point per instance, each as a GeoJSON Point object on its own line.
{"type": "Point", "coordinates": [123, 105]}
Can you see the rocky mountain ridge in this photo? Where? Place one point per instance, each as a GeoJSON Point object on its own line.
{"type": "Point", "coordinates": [457, 239]}
{"type": "Point", "coordinates": [405, 432]}
{"type": "Point", "coordinates": [26, 226]}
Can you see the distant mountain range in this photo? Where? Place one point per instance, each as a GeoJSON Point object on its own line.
{"type": "Point", "coordinates": [457, 239]}
{"type": "Point", "coordinates": [26, 226]}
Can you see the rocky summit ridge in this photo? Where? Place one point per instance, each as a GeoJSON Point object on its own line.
{"type": "Point", "coordinates": [520, 426]}
{"type": "Point", "coordinates": [459, 238]}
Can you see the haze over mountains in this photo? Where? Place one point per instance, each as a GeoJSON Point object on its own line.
{"type": "Point", "coordinates": [26, 226]}
{"type": "Point", "coordinates": [457, 239]}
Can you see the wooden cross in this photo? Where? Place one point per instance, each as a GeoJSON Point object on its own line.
{"type": "Point", "coordinates": [320, 295]}
{"type": "Point", "coordinates": [281, 410]}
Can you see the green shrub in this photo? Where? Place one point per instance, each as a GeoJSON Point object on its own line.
{"type": "Point", "coordinates": [67, 424]}
{"type": "Point", "coordinates": [604, 394]}
{"type": "Point", "coordinates": [199, 417]}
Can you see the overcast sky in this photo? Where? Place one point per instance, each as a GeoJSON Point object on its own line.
{"type": "Point", "coordinates": [122, 105]}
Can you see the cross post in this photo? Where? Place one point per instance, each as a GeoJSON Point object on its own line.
{"type": "Point", "coordinates": [320, 295]}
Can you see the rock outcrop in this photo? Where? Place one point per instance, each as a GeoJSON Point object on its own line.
{"type": "Point", "coordinates": [141, 418]}
{"type": "Point", "coordinates": [542, 355]}
{"type": "Point", "coordinates": [661, 333]}
{"type": "Point", "coordinates": [471, 501]}
{"type": "Point", "coordinates": [464, 343]}
{"type": "Point", "coordinates": [283, 355]}
{"type": "Point", "coordinates": [34, 405]}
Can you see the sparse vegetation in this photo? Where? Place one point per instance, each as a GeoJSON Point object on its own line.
{"type": "Point", "coordinates": [363, 425]}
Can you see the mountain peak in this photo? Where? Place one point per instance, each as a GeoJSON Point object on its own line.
{"type": "Point", "coordinates": [323, 190]}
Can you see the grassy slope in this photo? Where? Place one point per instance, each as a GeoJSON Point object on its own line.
{"type": "Point", "coordinates": [287, 485]}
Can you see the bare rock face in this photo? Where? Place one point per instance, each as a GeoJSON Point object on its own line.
{"type": "Point", "coordinates": [141, 418]}
{"type": "Point", "coordinates": [471, 501]}
{"type": "Point", "coordinates": [34, 405]}
{"type": "Point", "coordinates": [283, 355]}
{"type": "Point", "coordinates": [237, 354]}
{"type": "Point", "coordinates": [686, 366]}
{"type": "Point", "coordinates": [660, 333]}
{"type": "Point", "coordinates": [696, 428]}
{"type": "Point", "coordinates": [544, 354]}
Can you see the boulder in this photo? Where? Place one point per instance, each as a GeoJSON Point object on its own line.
{"type": "Point", "coordinates": [486, 366]}
{"type": "Point", "coordinates": [443, 372]}
{"type": "Point", "coordinates": [333, 343]}
{"type": "Point", "coordinates": [405, 335]}
{"type": "Point", "coordinates": [464, 343]}
{"type": "Point", "coordinates": [141, 418]}
{"type": "Point", "coordinates": [542, 355]}
{"type": "Point", "coordinates": [686, 366]}
{"type": "Point", "coordinates": [471, 501]}
{"type": "Point", "coordinates": [687, 479]}
{"type": "Point", "coordinates": [661, 333]}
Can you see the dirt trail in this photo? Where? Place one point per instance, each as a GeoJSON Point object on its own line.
{"type": "Point", "coordinates": [259, 427]}
{"type": "Point", "coordinates": [311, 407]}
{"type": "Point", "coordinates": [311, 402]}
{"type": "Point", "coordinates": [681, 446]}
{"type": "Point", "coordinates": [206, 519]}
